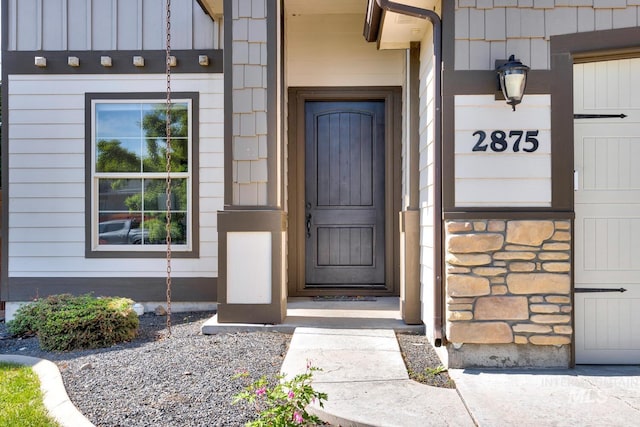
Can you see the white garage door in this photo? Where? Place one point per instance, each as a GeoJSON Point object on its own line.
{"type": "Point", "coordinates": [607, 205]}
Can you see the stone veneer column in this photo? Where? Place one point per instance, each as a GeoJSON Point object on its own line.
{"type": "Point", "coordinates": [509, 282]}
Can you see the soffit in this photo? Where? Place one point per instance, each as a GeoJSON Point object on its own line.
{"type": "Point", "coordinates": [397, 31]}
{"type": "Point", "coordinates": [301, 7]}
{"type": "Point", "coordinates": [212, 7]}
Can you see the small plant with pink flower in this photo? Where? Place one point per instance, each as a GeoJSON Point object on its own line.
{"type": "Point", "coordinates": [282, 403]}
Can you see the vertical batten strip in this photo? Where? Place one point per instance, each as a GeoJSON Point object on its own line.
{"type": "Point", "coordinates": [65, 25]}
{"type": "Point", "coordinates": [39, 24]}
{"type": "Point", "coordinates": [89, 39]}
{"type": "Point", "coordinates": [140, 26]}
{"type": "Point", "coordinates": [13, 17]}
{"type": "Point", "coordinates": [114, 23]}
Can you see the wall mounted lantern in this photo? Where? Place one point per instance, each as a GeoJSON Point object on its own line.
{"type": "Point", "coordinates": [512, 76]}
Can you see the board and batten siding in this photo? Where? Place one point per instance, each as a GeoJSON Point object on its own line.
{"type": "Point", "coordinates": [329, 50]}
{"type": "Point", "coordinates": [495, 176]}
{"type": "Point", "coordinates": [108, 25]}
{"type": "Point", "coordinates": [47, 175]}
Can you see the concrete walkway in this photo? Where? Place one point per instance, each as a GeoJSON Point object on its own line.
{"type": "Point", "coordinates": [584, 396]}
{"type": "Point", "coordinates": [367, 385]}
{"type": "Point", "coordinates": [366, 380]}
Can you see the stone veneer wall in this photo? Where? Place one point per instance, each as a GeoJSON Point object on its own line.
{"type": "Point", "coordinates": [508, 282]}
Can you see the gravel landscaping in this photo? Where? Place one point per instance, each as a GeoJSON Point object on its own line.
{"type": "Point", "coordinates": [183, 380]}
{"type": "Point", "coordinates": [422, 361]}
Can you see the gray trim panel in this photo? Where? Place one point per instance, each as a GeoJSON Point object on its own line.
{"type": "Point", "coordinates": [136, 288]}
{"type": "Point", "coordinates": [228, 101]}
{"type": "Point", "coordinates": [22, 62]}
{"type": "Point", "coordinates": [272, 104]}
{"type": "Point", "coordinates": [275, 222]}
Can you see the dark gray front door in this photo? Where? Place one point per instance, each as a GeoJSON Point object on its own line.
{"type": "Point", "coordinates": [344, 202]}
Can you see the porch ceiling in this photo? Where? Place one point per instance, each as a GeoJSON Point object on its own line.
{"type": "Point", "coordinates": [325, 7]}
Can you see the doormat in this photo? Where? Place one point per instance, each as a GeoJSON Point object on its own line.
{"type": "Point", "coordinates": [344, 298]}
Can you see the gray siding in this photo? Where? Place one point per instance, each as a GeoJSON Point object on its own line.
{"type": "Point", "coordinates": [487, 30]}
{"type": "Point", "coordinates": [250, 171]}
{"type": "Point", "coordinates": [108, 25]}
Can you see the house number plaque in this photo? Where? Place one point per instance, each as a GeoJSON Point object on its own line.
{"type": "Point", "coordinates": [500, 141]}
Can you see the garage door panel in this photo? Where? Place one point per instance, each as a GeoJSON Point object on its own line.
{"type": "Point", "coordinates": [602, 85]}
{"type": "Point", "coordinates": [608, 245]}
{"type": "Point", "coordinates": [608, 163]}
{"type": "Point", "coordinates": [612, 323]}
{"type": "Point", "coordinates": [607, 206]}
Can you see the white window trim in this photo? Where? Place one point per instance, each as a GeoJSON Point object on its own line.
{"type": "Point", "coordinates": [95, 176]}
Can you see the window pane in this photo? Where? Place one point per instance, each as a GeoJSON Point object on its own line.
{"type": "Point", "coordinates": [119, 229]}
{"type": "Point", "coordinates": [155, 197]}
{"type": "Point", "coordinates": [154, 122]}
{"type": "Point", "coordinates": [179, 121]}
{"type": "Point", "coordinates": [118, 155]}
{"type": "Point", "coordinates": [119, 195]}
{"type": "Point", "coordinates": [155, 225]}
{"type": "Point", "coordinates": [117, 120]}
{"type": "Point", "coordinates": [154, 159]}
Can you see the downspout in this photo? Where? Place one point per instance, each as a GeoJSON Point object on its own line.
{"type": "Point", "coordinates": [435, 20]}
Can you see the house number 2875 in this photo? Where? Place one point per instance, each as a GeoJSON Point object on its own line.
{"type": "Point", "coordinates": [500, 141]}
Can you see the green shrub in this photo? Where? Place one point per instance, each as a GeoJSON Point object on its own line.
{"type": "Point", "coordinates": [25, 321]}
{"type": "Point", "coordinates": [66, 322]}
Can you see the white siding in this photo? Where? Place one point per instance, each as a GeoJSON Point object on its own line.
{"type": "Point", "coordinates": [427, 181]}
{"type": "Point", "coordinates": [47, 175]}
{"type": "Point", "coordinates": [108, 25]}
{"type": "Point", "coordinates": [502, 178]}
{"type": "Point", "coordinates": [329, 50]}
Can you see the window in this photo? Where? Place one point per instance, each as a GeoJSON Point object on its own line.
{"type": "Point", "coordinates": [128, 174]}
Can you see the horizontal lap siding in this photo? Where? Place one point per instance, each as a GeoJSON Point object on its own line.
{"type": "Point", "coordinates": [329, 50]}
{"type": "Point", "coordinates": [502, 178]}
{"type": "Point", "coordinates": [427, 187]}
{"type": "Point", "coordinates": [47, 175]}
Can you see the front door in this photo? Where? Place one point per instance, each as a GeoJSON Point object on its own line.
{"type": "Point", "coordinates": [607, 206]}
{"type": "Point", "coordinates": [344, 194]}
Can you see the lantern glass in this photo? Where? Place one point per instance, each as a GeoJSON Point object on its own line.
{"type": "Point", "coordinates": [513, 84]}
{"type": "Point", "coordinates": [513, 80]}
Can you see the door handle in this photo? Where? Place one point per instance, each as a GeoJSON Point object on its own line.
{"type": "Point", "coordinates": [308, 225]}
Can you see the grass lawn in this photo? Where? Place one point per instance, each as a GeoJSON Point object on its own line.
{"type": "Point", "coordinates": [21, 398]}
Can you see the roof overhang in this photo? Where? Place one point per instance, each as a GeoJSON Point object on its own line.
{"type": "Point", "coordinates": [394, 30]}
{"type": "Point", "coordinates": [212, 8]}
